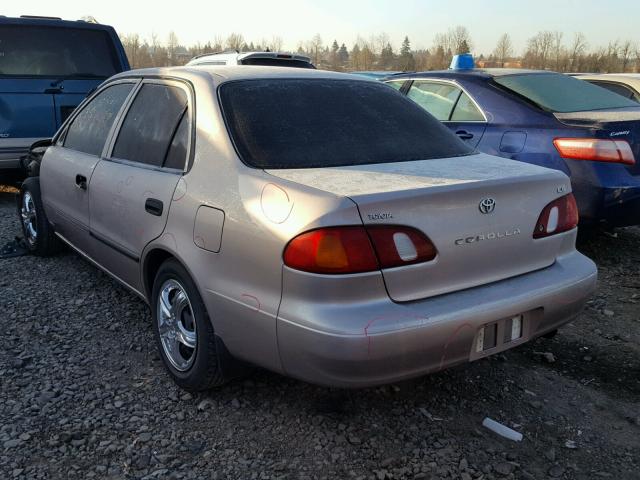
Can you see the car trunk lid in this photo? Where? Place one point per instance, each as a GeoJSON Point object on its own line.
{"type": "Point", "coordinates": [614, 124]}
{"type": "Point", "coordinates": [442, 199]}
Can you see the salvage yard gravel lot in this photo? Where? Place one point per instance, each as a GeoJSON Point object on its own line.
{"type": "Point", "coordinates": [83, 394]}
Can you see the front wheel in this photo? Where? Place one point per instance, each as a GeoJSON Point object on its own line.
{"type": "Point", "coordinates": [183, 331]}
{"type": "Point", "coordinates": [38, 233]}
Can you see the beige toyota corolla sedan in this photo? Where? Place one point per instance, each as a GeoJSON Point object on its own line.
{"type": "Point", "coordinates": [317, 224]}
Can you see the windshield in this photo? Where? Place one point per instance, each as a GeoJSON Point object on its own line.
{"type": "Point", "coordinates": [303, 123]}
{"type": "Point", "coordinates": [562, 94]}
{"type": "Point", "coordinates": [54, 52]}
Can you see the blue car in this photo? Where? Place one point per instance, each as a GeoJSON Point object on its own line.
{"type": "Point", "coordinates": [375, 75]}
{"type": "Point", "coordinates": [47, 67]}
{"type": "Point", "coordinates": [548, 119]}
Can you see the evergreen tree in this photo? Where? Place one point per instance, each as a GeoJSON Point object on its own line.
{"type": "Point", "coordinates": [406, 47]}
{"type": "Point", "coordinates": [463, 47]}
{"type": "Point", "coordinates": [335, 60]}
{"type": "Point", "coordinates": [343, 54]}
{"type": "Point", "coordinates": [387, 57]}
{"type": "Point", "coordinates": [407, 62]}
{"type": "Point", "coordinates": [355, 57]}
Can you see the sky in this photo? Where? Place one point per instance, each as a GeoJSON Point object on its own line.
{"type": "Point", "coordinates": [299, 20]}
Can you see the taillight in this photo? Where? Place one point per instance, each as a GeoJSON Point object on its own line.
{"type": "Point", "coordinates": [357, 249]}
{"type": "Point", "coordinates": [598, 150]}
{"type": "Point", "coordinates": [397, 246]}
{"type": "Point", "coordinates": [557, 217]}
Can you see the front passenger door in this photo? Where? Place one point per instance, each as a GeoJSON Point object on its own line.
{"type": "Point", "coordinates": [132, 189]}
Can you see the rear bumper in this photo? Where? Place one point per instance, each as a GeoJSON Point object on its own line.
{"type": "Point", "coordinates": [622, 206]}
{"type": "Point", "coordinates": [11, 161]}
{"type": "Point", "coordinates": [383, 342]}
{"type": "Point", "coordinates": [616, 206]}
{"type": "Point", "coordinates": [12, 149]}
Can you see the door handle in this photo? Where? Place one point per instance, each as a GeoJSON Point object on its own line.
{"type": "Point", "coordinates": [464, 135]}
{"type": "Point", "coordinates": [81, 182]}
{"type": "Point", "coordinates": [154, 206]}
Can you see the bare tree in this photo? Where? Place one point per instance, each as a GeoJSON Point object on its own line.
{"type": "Point", "coordinates": [380, 42]}
{"type": "Point", "coordinates": [276, 43]}
{"type": "Point", "coordinates": [131, 44]}
{"type": "Point", "coordinates": [558, 51]}
{"type": "Point", "coordinates": [578, 49]}
{"type": "Point", "coordinates": [460, 39]}
{"type": "Point", "coordinates": [504, 49]}
{"type": "Point", "coordinates": [235, 41]}
{"type": "Point", "coordinates": [315, 48]}
{"type": "Point", "coordinates": [172, 46]}
{"type": "Point", "coordinates": [612, 57]}
{"type": "Point", "coordinates": [538, 50]}
{"type": "Point", "coordinates": [626, 51]}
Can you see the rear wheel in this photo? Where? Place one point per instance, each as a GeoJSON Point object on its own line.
{"type": "Point", "coordinates": [183, 330]}
{"type": "Point", "coordinates": [39, 235]}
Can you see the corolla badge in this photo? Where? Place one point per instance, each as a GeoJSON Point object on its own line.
{"type": "Point", "coordinates": [487, 205]}
{"type": "Point", "coordinates": [4, 135]}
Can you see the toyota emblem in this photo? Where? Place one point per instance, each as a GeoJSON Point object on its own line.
{"type": "Point", "coordinates": [487, 205]}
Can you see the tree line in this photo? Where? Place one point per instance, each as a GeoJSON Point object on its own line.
{"type": "Point", "coordinates": [550, 50]}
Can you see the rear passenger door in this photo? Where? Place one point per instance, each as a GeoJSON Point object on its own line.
{"type": "Point", "coordinates": [451, 105]}
{"type": "Point", "coordinates": [132, 189]}
{"type": "Point", "coordinates": [68, 165]}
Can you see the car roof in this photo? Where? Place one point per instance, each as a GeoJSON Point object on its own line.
{"type": "Point", "coordinates": [225, 56]}
{"type": "Point", "coordinates": [629, 79]}
{"type": "Point", "coordinates": [484, 73]}
{"type": "Point", "coordinates": [52, 22]}
{"type": "Point", "coordinates": [227, 73]}
{"type": "Point", "coordinates": [604, 76]}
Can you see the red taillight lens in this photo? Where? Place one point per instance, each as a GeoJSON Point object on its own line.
{"type": "Point", "coordinates": [598, 150]}
{"type": "Point", "coordinates": [557, 217]}
{"type": "Point", "coordinates": [357, 249]}
{"type": "Point", "coordinates": [332, 250]}
{"type": "Point", "coordinates": [398, 246]}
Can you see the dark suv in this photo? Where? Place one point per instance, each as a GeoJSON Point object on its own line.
{"type": "Point", "coordinates": [47, 67]}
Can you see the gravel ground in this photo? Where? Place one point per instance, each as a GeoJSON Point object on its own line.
{"type": "Point", "coordinates": [84, 395]}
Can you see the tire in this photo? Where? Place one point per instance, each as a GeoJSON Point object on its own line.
{"type": "Point", "coordinates": [39, 234]}
{"type": "Point", "coordinates": [205, 365]}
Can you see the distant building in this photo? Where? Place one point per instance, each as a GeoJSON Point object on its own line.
{"type": "Point", "coordinates": [496, 64]}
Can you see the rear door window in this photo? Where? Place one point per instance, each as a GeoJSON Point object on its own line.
{"type": "Point", "coordinates": [436, 98]}
{"type": "Point", "coordinates": [88, 132]}
{"type": "Point", "coordinates": [397, 84]}
{"type": "Point", "coordinates": [56, 52]}
{"type": "Point", "coordinates": [304, 123]}
{"type": "Point", "coordinates": [178, 149]}
{"type": "Point", "coordinates": [466, 111]}
{"type": "Point", "coordinates": [152, 122]}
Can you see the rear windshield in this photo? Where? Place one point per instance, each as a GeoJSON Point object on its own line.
{"type": "Point", "coordinates": [302, 123]}
{"type": "Point", "coordinates": [562, 94]}
{"type": "Point", "coordinates": [35, 51]}
{"type": "Point", "coordinates": [276, 62]}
